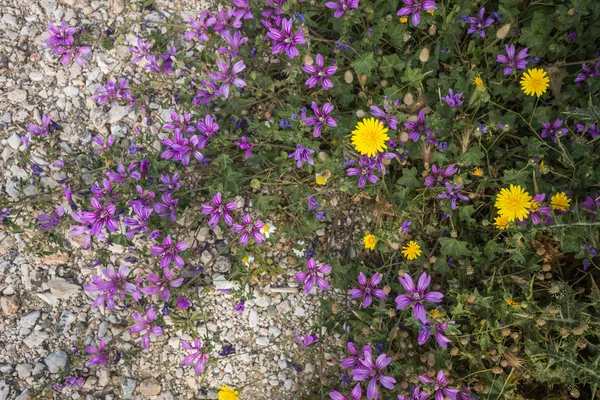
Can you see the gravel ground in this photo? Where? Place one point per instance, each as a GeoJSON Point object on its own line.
{"type": "Point", "coordinates": [45, 311]}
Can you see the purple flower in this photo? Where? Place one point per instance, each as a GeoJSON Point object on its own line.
{"type": "Point", "coordinates": [416, 295]}
{"type": "Point", "coordinates": [70, 381]}
{"type": "Point", "coordinates": [373, 370]}
{"type": "Point", "coordinates": [358, 356]}
{"type": "Point", "coordinates": [145, 324]}
{"type": "Point", "coordinates": [240, 307]}
{"type": "Point", "coordinates": [86, 230]}
{"type": "Point", "coordinates": [512, 60]}
{"type": "Point", "coordinates": [537, 208]}
{"type": "Point", "coordinates": [306, 340]}
{"type": "Point", "coordinates": [114, 285]}
{"type": "Point", "coordinates": [388, 118]}
{"type": "Point", "coordinates": [312, 203]}
{"type": "Point", "coordinates": [245, 145]}
{"type": "Point", "coordinates": [235, 42]}
{"type": "Point", "coordinates": [312, 276]}
{"type": "Point", "coordinates": [366, 165]}
{"type": "Point", "coordinates": [427, 328]}
{"type": "Point", "coordinates": [183, 303]}
{"type": "Point", "coordinates": [341, 6]}
{"type": "Point", "coordinates": [418, 127]}
{"type": "Point", "coordinates": [142, 50]}
{"type": "Point", "coordinates": [170, 183]}
{"type": "Point", "coordinates": [170, 252]}
{"type": "Point", "coordinates": [453, 100]}
{"type": "Point", "coordinates": [592, 205]}
{"type": "Point", "coordinates": [414, 8]}
{"type": "Point", "coordinates": [209, 91]}
{"type": "Point", "coordinates": [588, 73]}
{"type": "Point", "coordinates": [167, 206]}
{"type": "Point", "coordinates": [122, 174]}
{"type": "Point", "coordinates": [405, 226]}
{"type": "Point", "coordinates": [226, 19]}
{"type": "Point", "coordinates": [550, 130]}
{"type": "Point", "coordinates": [288, 39]}
{"type": "Point", "coordinates": [228, 78]}
{"type": "Point", "coordinates": [180, 149]}
{"type": "Point", "coordinates": [180, 123]}
{"type": "Point", "coordinates": [100, 355]}
{"type": "Point", "coordinates": [466, 394]}
{"type": "Point", "coordinates": [321, 118]}
{"type": "Point", "coordinates": [50, 221]}
{"type": "Point", "coordinates": [244, 11]}
{"type": "Point", "coordinates": [572, 36]}
{"type": "Point", "coordinates": [161, 286]}
{"type": "Point", "coordinates": [102, 217]}
{"type": "Point", "coordinates": [248, 228]}
{"type": "Point", "coordinates": [112, 92]}
{"type": "Point", "coordinates": [320, 74]}
{"type": "Point", "coordinates": [199, 27]}
{"type": "Point", "coordinates": [104, 146]}
{"type": "Point", "coordinates": [218, 210]}
{"type": "Point", "coordinates": [440, 386]}
{"type": "Point", "coordinates": [367, 289]}
{"type": "Point", "coordinates": [452, 193]}
{"type": "Point", "coordinates": [439, 175]}
{"type": "Point", "coordinates": [478, 24]}
{"type": "Point", "coordinates": [48, 129]}
{"type": "Point", "coordinates": [593, 130]}
{"type": "Point", "coordinates": [416, 395]}
{"type": "Point", "coordinates": [62, 42]}
{"type": "Point", "coordinates": [198, 357]}
{"type": "Point", "coordinates": [355, 394]}
{"type": "Point", "coordinates": [302, 155]}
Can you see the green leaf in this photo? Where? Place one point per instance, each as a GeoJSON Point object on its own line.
{"type": "Point", "coordinates": [453, 247]}
{"type": "Point", "coordinates": [471, 156]}
{"type": "Point", "coordinates": [390, 64]}
{"type": "Point", "coordinates": [413, 77]}
{"type": "Point", "coordinates": [409, 178]}
{"type": "Point", "coordinates": [365, 64]}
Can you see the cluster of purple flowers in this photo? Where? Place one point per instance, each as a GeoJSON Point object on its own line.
{"type": "Point", "coordinates": [154, 63]}
{"type": "Point", "coordinates": [414, 8]}
{"type": "Point", "coordinates": [48, 128]}
{"type": "Point", "coordinates": [185, 141]}
{"type": "Point", "coordinates": [114, 92]}
{"type": "Point", "coordinates": [588, 73]}
{"type": "Point", "coordinates": [62, 42]}
{"type": "Point", "coordinates": [367, 166]}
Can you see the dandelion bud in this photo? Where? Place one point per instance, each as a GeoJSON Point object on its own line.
{"type": "Point", "coordinates": [388, 17]}
{"type": "Point", "coordinates": [503, 31]}
{"type": "Point", "coordinates": [348, 76]}
{"type": "Point", "coordinates": [408, 99]}
{"type": "Point", "coordinates": [360, 113]}
{"type": "Point", "coordinates": [424, 55]}
{"type": "Point", "coordinates": [362, 79]}
{"type": "Point", "coordinates": [308, 59]}
{"type": "Point", "coordinates": [404, 136]}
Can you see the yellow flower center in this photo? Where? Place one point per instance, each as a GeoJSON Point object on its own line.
{"type": "Point", "coordinates": [321, 180]}
{"type": "Point", "coordinates": [534, 206]}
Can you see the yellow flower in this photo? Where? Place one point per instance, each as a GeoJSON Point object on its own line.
{"type": "Point", "coordinates": [535, 82]}
{"type": "Point", "coordinates": [227, 393]}
{"type": "Point", "coordinates": [543, 168]}
{"type": "Point", "coordinates": [478, 172]}
{"type": "Point", "coordinates": [501, 223]}
{"type": "Point", "coordinates": [403, 20]}
{"type": "Point", "coordinates": [512, 303]}
{"type": "Point", "coordinates": [513, 203]}
{"type": "Point", "coordinates": [435, 313]}
{"type": "Point", "coordinates": [478, 81]}
{"type": "Point", "coordinates": [267, 229]}
{"type": "Point", "coordinates": [412, 250]}
{"type": "Point", "coordinates": [431, 11]}
{"type": "Point", "coordinates": [321, 180]}
{"type": "Point", "coordinates": [369, 137]}
{"type": "Point", "coordinates": [370, 241]}
{"type": "Point", "coordinates": [560, 201]}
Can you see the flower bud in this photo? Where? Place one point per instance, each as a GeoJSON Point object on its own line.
{"type": "Point", "coordinates": [424, 55]}
{"type": "Point", "coordinates": [503, 31]}
{"type": "Point", "coordinates": [383, 83]}
{"type": "Point", "coordinates": [408, 99]}
{"type": "Point", "coordinates": [308, 59]}
{"type": "Point", "coordinates": [348, 76]}
{"type": "Point", "coordinates": [360, 113]}
{"type": "Point", "coordinates": [363, 79]}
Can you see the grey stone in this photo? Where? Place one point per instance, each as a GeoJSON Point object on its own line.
{"type": "Point", "coordinates": [17, 96]}
{"type": "Point", "coordinates": [10, 305]}
{"type": "Point", "coordinates": [262, 301]}
{"type": "Point", "coordinates": [63, 290]}
{"type": "Point", "coordinates": [150, 387]}
{"type": "Point", "coordinates": [39, 368]}
{"type": "Point", "coordinates": [36, 339]}
{"type": "Point", "coordinates": [128, 387]}
{"type": "Point", "coordinates": [262, 341]}
{"type": "Point", "coordinates": [24, 370]}
{"type": "Point", "coordinates": [222, 265]}
{"type": "Point", "coordinates": [4, 390]}
{"type": "Point", "coordinates": [71, 91]}
{"type": "Point", "coordinates": [65, 321]}
{"type": "Point", "coordinates": [28, 322]}
{"type": "Point", "coordinates": [56, 361]}
{"type": "Point", "coordinates": [98, 117]}
{"type": "Point", "coordinates": [272, 311]}
{"type": "Point", "coordinates": [274, 331]}
{"type": "Point", "coordinates": [117, 113]}
{"type": "Point", "coordinates": [36, 76]}
{"type": "Point", "coordinates": [253, 318]}
{"type": "Point", "coordinates": [6, 368]}
{"type": "Point", "coordinates": [14, 141]}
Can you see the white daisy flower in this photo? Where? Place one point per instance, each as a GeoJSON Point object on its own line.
{"type": "Point", "coordinates": [247, 260]}
{"type": "Point", "coordinates": [267, 229]}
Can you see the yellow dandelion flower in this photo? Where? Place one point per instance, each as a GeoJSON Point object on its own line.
{"type": "Point", "coordinates": [412, 250]}
{"type": "Point", "coordinates": [431, 12]}
{"type": "Point", "coordinates": [227, 393]}
{"type": "Point", "coordinates": [478, 172]}
{"type": "Point", "coordinates": [543, 168]}
{"type": "Point", "coordinates": [370, 241]}
{"type": "Point", "coordinates": [478, 81]}
{"type": "Point", "coordinates": [435, 313]}
{"type": "Point", "coordinates": [403, 20]}
{"type": "Point", "coordinates": [560, 202]}
{"type": "Point", "coordinates": [321, 180]}
{"type": "Point", "coordinates": [459, 180]}
{"type": "Point", "coordinates": [369, 137]}
{"type": "Point", "coordinates": [501, 223]}
{"type": "Point", "coordinates": [512, 303]}
{"type": "Point", "coordinates": [513, 203]}
{"type": "Point", "coordinates": [535, 82]}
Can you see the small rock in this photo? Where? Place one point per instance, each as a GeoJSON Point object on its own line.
{"type": "Point", "coordinates": [262, 301]}
{"type": "Point", "coordinates": [300, 312]}
{"type": "Point", "coordinates": [14, 141]}
{"type": "Point", "coordinates": [128, 388]}
{"type": "Point", "coordinates": [56, 361]}
{"type": "Point", "coordinates": [272, 311]}
{"type": "Point", "coordinates": [98, 117]}
{"type": "Point", "coordinates": [253, 318]}
{"type": "Point", "coordinates": [284, 307]}
{"type": "Point", "coordinates": [222, 265]}
{"type": "Point", "coordinates": [24, 370]}
{"type": "Point", "coordinates": [116, 114]}
{"type": "Point", "coordinates": [9, 304]}
{"type": "Point", "coordinates": [274, 331]}
{"type": "Point", "coordinates": [288, 384]}
{"type": "Point", "coordinates": [58, 258]}
{"type": "Point", "coordinates": [36, 76]}
{"type": "Point", "coordinates": [17, 96]}
{"type": "Point", "coordinates": [4, 390]}
{"type": "Point", "coordinates": [150, 387]}
{"type": "Point", "coordinates": [65, 321]}
{"type": "Point", "coordinates": [263, 341]}
{"type": "Point", "coordinates": [71, 91]}
{"type": "Point", "coordinates": [62, 289]}
{"type": "Point", "coordinates": [6, 368]}
{"type": "Point", "coordinates": [36, 339]}
{"type": "Point", "coordinates": [28, 322]}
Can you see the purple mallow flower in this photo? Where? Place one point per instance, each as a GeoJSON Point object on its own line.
{"type": "Point", "coordinates": [358, 356]}
{"type": "Point", "coordinates": [245, 145]}
{"type": "Point", "coordinates": [355, 394]}
{"type": "Point", "coordinates": [416, 395]}
{"type": "Point", "coordinates": [387, 117]}
{"type": "Point", "coordinates": [302, 155]}
{"type": "Point", "coordinates": [249, 228]}
{"type": "Point", "coordinates": [512, 60]}
{"type": "Point", "coordinates": [414, 8]}
{"type": "Point", "coordinates": [170, 252]}
{"type": "Point", "coordinates": [405, 226]}
{"type": "Point", "coordinates": [321, 118]}
{"type": "Point", "coordinates": [592, 205]}
{"type": "Point", "coordinates": [99, 354]}
{"type": "Point", "coordinates": [102, 217]}
{"type": "Point", "coordinates": [313, 276]}
{"type": "Point", "coordinates": [48, 129]}
{"type": "Point", "coordinates": [366, 166]}
{"type": "Point", "coordinates": [218, 210]}
{"type": "Point", "coordinates": [373, 370]}
{"type": "Point", "coordinates": [70, 381]}
{"type": "Point", "coordinates": [104, 145]}
{"type": "Point", "coordinates": [312, 203]}
{"type": "Point", "coordinates": [199, 27]}
{"type": "Point", "coordinates": [146, 325]}
{"type": "Point", "coordinates": [288, 39]}
{"type": "Point", "coordinates": [367, 289]}
{"type": "Point", "coordinates": [306, 340]}
{"type": "Point", "coordinates": [320, 74]}
{"type": "Point", "coordinates": [198, 357]}
{"type": "Point", "coordinates": [479, 23]}
{"type": "Point", "coordinates": [453, 100]}
{"type": "Point", "coordinates": [552, 129]}
{"type": "Point", "coordinates": [439, 331]}
{"type": "Point", "coordinates": [142, 50]}
{"type": "Point", "coordinates": [452, 193]}
{"type": "Point", "coordinates": [418, 127]}
{"type": "Point", "coordinates": [161, 286]}
{"type": "Point", "coordinates": [439, 386]}
{"type": "Point", "coordinates": [113, 285]}
{"type": "Point", "coordinates": [539, 211]}
{"type": "Point", "coordinates": [243, 9]}
{"type": "Point", "coordinates": [167, 206]}
{"type": "Point", "coordinates": [593, 130]}
{"type": "Point", "coordinates": [439, 175]}
{"type": "Point", "coordinates": [240, 307]}
{"type": "Point", "coordinates": [62, 42]}
{"type": "Point", "coordinates": [588, 73]}
{"type": "Point", "coordinates": [341, 6]}
{"type": "Point", "coordinates": [50, 221]}
{"type": "Point", "coordinates": [417, 295]}
{"type": "Point", "coordinates": [228, 78]}
{"type": "Point", "coordinates": [180, 123]}
{"type": "Point", "coordinates": [112, 92]}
